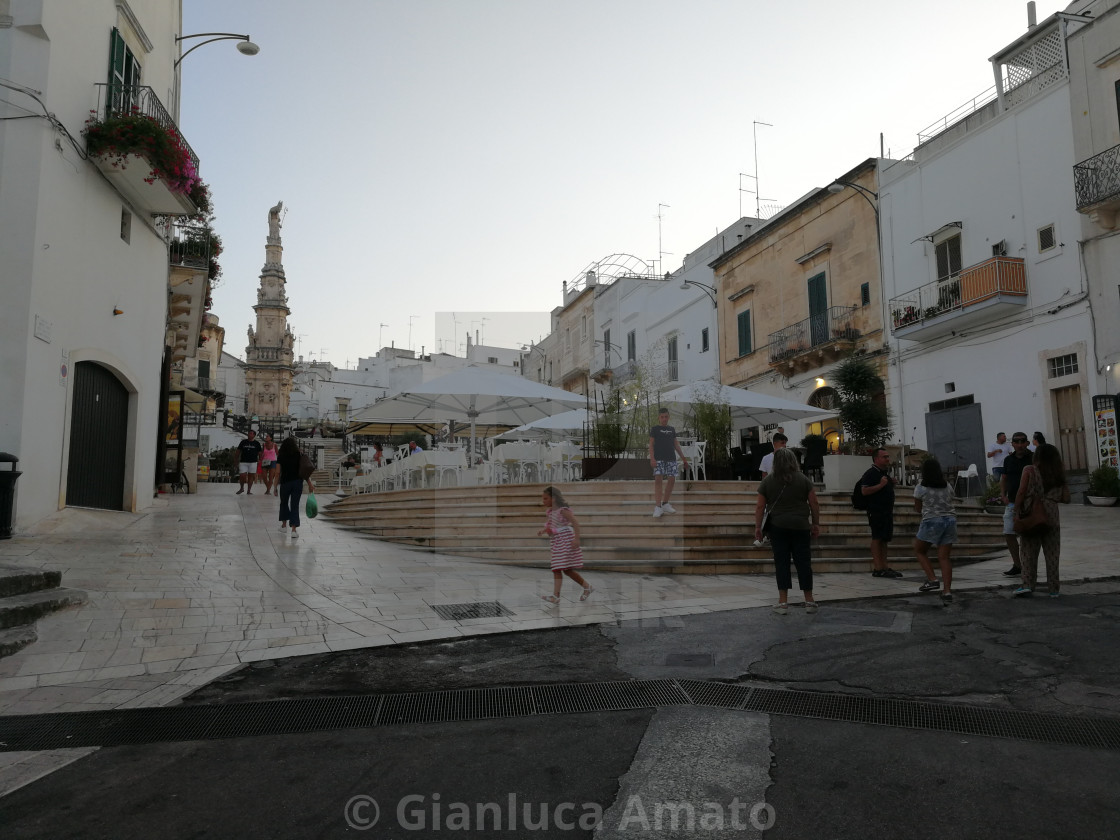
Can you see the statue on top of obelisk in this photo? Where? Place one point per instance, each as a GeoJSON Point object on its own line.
{"type": "Point", "coordinates": [275, 222]}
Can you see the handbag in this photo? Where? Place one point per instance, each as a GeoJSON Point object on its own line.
{"type": "Point", "coordinates": [306, 467]}
{"type": "Point", "coordinates": [1031, 518]}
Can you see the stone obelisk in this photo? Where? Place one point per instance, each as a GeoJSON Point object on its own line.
{"type": "Point", "coordinates": [268, 358]}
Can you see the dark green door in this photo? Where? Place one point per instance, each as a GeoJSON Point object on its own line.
{"type": "Point", "coordinates": [818, 310]}
{"type": "Point", "coordinates": [98, 439]}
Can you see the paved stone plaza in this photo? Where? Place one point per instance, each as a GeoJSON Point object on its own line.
{"type": "Point", "coordinates": [202, 584]}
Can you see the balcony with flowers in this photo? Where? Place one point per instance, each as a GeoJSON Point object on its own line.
{"type": "Point", "coordinates": [134, 141]}
{"type": "Point", "coordinates": [980, 293]}
{"type": "Point", "coordinates": [815, 341]}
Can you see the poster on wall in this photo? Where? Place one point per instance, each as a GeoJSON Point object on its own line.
{"type": "Point", "coordinates": [1104, 417]}
{"type": "Point", "coordinates": [174, 417]}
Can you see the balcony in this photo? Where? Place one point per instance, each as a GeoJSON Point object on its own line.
{"type": "Point", "coordinates": [816, 341]}
{"type": "Point", "coordinates": [207, 385]}
{"type": "Point", "coordinates": [131, 116]}
{"type": "Point", "coordinates": [983, 292]}
{"type": "Point", "coordinates": [1096, 183]}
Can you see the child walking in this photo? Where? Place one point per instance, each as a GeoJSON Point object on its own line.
{"type": "Point", "coordinates": [562, 529]}
{"type": "Point", "coordinates": [933, 499]}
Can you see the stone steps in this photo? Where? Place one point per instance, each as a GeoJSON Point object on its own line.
{"type": "Point", "coordinates": [711, 533]}
{"type": "Point", "coordinates": [26, 595]}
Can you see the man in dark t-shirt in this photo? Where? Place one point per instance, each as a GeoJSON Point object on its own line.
{"type": "Point", "coordinates": [248, 453]}
{"type": "Point", "coordinates": [1013, 466]}
{"type": "Point", "coordinates": [663, 452]}
{"type": "Point", "coordinates": [878, 487]}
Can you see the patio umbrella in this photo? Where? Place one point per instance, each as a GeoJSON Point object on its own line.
{"type": "Point", "coordinates": [747, 407]}
{"type": "Point", "coordinates": [558, 425]}
{"type": "Point", "coordinates": [479, 395]}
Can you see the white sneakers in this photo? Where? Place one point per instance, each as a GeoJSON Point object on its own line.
{"type": "Point", "coordinates": [657, 512]}
{"type": "Point", "coordinates": [668, 508]}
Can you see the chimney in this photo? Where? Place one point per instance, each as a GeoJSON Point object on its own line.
{"type": "Point", "coordinates": [1032, 16]}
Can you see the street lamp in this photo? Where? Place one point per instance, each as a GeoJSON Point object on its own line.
{"type": "Point", "coordinates": [710, 291]}
{"type": "Point", "coordinates": [246, 47]}
{"type": "Point", "coordinates": [871, 197]}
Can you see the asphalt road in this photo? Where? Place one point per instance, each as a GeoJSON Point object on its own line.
{"type": "Point", "coordinates": [680, 771]}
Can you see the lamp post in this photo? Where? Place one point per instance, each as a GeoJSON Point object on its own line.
{"type": "Point", "coordinates": [246, 47]}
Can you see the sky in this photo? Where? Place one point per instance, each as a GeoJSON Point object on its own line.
{"type": "Point", "coordinates": [447, 165]}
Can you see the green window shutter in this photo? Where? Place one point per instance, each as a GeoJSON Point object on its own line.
{"type": "Point", "coordinates": [744, 332]}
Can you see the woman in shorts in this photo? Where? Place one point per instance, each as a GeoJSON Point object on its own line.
{"type": "Point", "coordinates": [933, 499]}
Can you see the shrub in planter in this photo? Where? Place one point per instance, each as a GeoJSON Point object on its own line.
{"type": "Point", "coordinates": [1104, 481]}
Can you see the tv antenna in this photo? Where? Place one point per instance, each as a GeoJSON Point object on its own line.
{"type": "Point", "coordinates": [411, 318]}
{"type": "Point", "coordinates": [379, 344]}
{"type": "Point", "coordinates": [757, 190]}
{"type": "Point", "coordinates": [660, 253]}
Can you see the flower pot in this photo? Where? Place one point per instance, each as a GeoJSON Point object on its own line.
{"type": "Point", "coordinates": [1102, 501]}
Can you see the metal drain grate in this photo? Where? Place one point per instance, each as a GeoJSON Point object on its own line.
{"type": "Point", "coordinates": [278, 717]}
{"type": "Point", "coordinates": [480, 609]}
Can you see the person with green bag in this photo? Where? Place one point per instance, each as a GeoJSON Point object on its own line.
{"type": "Point", "coordinates": [294, 471]}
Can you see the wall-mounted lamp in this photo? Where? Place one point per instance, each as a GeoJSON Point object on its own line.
{"type": "Point", "coordinates": [820, 382]}
{"type": "Point", "coordinates": [246, 47]}
{"type": "Point", "coordinates": [117, 312]}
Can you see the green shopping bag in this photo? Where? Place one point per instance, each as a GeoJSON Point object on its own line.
{"type": "Point", "coordinates": [312, 506]}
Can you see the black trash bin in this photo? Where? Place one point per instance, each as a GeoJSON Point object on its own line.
{"type": "Point", "coordinates": [8, 494]}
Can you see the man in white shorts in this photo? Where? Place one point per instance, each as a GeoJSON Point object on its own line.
{"type": "Point", "coordinates": [248, 454]}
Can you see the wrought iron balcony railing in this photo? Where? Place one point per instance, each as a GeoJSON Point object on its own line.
{"type": "Point", "coordinates": [1097, 179]}
{"type": "Point", "coordinates": [835, 324]}
{"type": "Point", "coordinates": [983, 281]}
{"type": "Point", "coordinates": [115, 100]}
{"type": "Point", "coordinates": [189, 245]}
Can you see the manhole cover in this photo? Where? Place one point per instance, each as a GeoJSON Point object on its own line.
{"type": "Point", "coordinates": [481, 609]}
{"type": "Point", "coordinates": [692, 660]}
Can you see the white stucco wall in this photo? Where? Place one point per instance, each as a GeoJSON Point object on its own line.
{"type": "Point", "coordinates": [63, 258]}
{"type": "Point", "coordinates": [1002, 181]}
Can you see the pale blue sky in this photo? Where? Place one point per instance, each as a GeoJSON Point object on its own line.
{"type": "Point", "coordinates": [470, 156]}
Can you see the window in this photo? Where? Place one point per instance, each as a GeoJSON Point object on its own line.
{"type": "Point", "coordinates": [1117, 88]}
{"type": "Point", "coordinates": [865, 294]}
{"type": "Point", "coordinates": [631, 346]}
{"type": "Point", "coordinates": [204, 374]}
{"type": "Point", "coordinates": [124, 75]}
{"type": "Point", "coordinates": [1046, 239]}
{"type": "Point", "coordinates": [606, 348]}
{"type": "Point", "coordinates": [493, 360]}
{"type": "Point", "coordinates": [1000, 249]}
{"type": "Point", "coordinates": [948, 257]}
{"type": "Point", "coordinates": [583, 328]}
{"type": "Point", "coordinates": [704, 340]}
{"type": "Point", "coordinates": [744, 322]}
{"type": "Point", "coordinates": [956, 402]}
{"type": "Point", "coordinates": [1062, 365]}
{"type": "Point", "coordinates": [672, 348]}
{"type": "Point", "coordinates": [568, 339]}
{"type": "Point", "coordinates": [126, 225]}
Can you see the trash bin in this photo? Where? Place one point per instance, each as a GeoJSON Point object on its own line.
{"type": "Point", "coordinates": [8, 494]}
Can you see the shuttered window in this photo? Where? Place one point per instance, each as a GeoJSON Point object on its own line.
{"type": "Point", "coordinates": [744, 322]}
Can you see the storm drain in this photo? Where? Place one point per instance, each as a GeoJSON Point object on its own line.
{"type": "Point", "coordinates": [119, 727]}
{"type": "Point", "coordinates": [480, 609]}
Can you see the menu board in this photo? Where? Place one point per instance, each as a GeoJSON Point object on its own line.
{"type": "Point", "coordinates": [1108, 447]}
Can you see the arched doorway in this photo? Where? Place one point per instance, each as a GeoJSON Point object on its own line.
{"type": "Point", "coordinates": [98, 439]}
{"type": "Point", "coordinates": [826, 399]}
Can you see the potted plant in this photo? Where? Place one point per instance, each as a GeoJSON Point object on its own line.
{"type": "Point", "coordinates": [866, 419]}
{"type": "Point", "coordinates": [1104, 486]}
{"type": "Point", "coordinates": [993, 497]}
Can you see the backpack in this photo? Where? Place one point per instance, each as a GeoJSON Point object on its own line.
{"type": "Point", "coordinates": [859, 501]}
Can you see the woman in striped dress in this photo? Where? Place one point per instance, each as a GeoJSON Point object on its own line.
{"type": "Point", "coordinates": [562, 529]}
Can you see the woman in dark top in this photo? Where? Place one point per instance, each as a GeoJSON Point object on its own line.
{"type": "Point", "coordinates": [291, 485]}
{"type": "Point", "coordinates": [792, 502]}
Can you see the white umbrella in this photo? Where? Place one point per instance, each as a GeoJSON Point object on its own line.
{"type": "Point", "coordinates": [747, 407]}
{"type": "Point", "coordinates": [562, 424]}
{"type": "Point", "coordinates": [481, 395]}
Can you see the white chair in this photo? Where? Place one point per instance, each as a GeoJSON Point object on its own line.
{"type": "Point", "coordinates": [968, 475]}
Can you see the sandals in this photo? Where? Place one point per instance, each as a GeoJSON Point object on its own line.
{"type": "Point", "coordinates": [586, 592]}
{"type": "Point", "coordinates": [552, 599]}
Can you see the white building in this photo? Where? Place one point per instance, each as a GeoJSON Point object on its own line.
{"type": "Point", "coordinates": [985, 295]}
{"type": "Point", "coordinates": [85, 264]}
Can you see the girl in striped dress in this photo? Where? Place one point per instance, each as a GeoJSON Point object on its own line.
{"type": "Point", "coordinates": [562, 529]}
